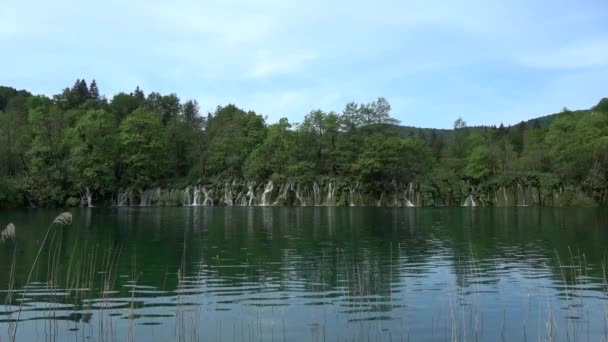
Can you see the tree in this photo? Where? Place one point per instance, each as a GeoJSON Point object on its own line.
{"type": "Point", "coordinates": [123, 105]}
{"type": "Point", "coordinates": [191, 113]}
{"type": "Point", "coordinates": [142, 149]}
{"type": "Point", "coordinates": [231, 135]}
{"type": "Point", "coordinates": [47, 177]}
{"type": "Point", "coordinates": [274, 156]}
{"type": "Point", "coordinates": [167, 107]}
{"type": "Point", "coordinates": [93, 156]}
{"type": "Point", "coordinates": [94, 91]}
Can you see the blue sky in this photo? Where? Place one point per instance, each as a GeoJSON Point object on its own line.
{"type": "Point", "coordinates": [488, 61]}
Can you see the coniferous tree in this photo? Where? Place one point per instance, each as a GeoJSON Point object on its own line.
{"type": "Point", "coordinates": [94, 91]}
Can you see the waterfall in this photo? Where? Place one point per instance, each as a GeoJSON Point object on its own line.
{"type": "Point", "coordinates": [283, 192]}
{"type": "Point", "coordinates": [351, 196]}
{"type": "Point", "coordinates": [228, 195]}
{"type": "Point", "coordinates": [409, 193]}
{"type": "Point", "coordinates": [331, 195]}
{"type": "Point", "coordinates": [316, 194]}
{"type": "Point", "coordinates": [207, 200]}
{"type": "Point", "coordinates": [250, 196]}
{"type": "Point", "coordinates": [124, 198]}
{"type": "Point", "coordinates": [353, 191]}
{"type": "Point", "coordinates": [521, 198]}
{"type": "Point", "coordinates": [267, 190]}
{"type": "Point", "coordinates": [379, 202]}
{"type": "Point", "coordinates": [300, 195]}
{"type": "Point", "coordinates": [186, 197]}
{"type": "Point", "coordinates": [406, 201]}
{"type": "Point", "coordinates": [469, 202]}
{"type": "Point", "coordinates": [121, 199]}
{"type": "Point", "coordinates": [149, 197]}
{"type": "Point", "coordinates": [196, 198]}
{"type": "Point", "coordinates": [87, 198]}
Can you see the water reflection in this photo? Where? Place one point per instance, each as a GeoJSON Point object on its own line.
{"type": "Point", "coordinates": [264, 273]}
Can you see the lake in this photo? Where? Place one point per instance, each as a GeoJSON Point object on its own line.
{"type": "Point", "coordinates": [307, 274]}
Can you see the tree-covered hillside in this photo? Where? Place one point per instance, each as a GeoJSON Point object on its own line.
{"type": "Point", "coordinates": [55, 151]}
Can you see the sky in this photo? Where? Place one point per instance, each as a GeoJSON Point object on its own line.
{"type": "Point", "coordinates": [487, 61]}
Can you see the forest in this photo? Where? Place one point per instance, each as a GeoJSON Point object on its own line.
{"type": "Point", "coordinates": [80, 148]}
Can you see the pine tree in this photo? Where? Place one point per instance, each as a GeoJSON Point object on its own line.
{"type": "Point", "coordinates": [94, 91]}
{"type": "Point", "coordinates": [139, 94]}
{"type": "Point", "coordinates": [82, 90]}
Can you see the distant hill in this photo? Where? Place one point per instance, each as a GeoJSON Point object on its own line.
{"type": "Point", "coordinates": [542, 121]}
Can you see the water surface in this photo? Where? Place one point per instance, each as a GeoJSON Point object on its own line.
{"type": "Point", "coordinates": [301, 274]}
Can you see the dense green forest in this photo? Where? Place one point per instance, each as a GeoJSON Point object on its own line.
{"type": "Point", "coordinates": [81, 148]}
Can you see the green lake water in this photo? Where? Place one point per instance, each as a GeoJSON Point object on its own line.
{"type": "Point", "coordinates": [307, 274]}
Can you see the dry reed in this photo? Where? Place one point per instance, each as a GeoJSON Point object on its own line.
{"type": "Point", "coordinates": [8, 233]}
{"type": "Point", "coordinates": [62, 219]}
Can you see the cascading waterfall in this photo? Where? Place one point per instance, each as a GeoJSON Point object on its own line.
{"type": "Point", "coordinates": [124, 198]}
{"type": "Point", "coordinates": [469, 202]}
{"type": "Point", "coordinates": [379, 202]}
{"type": "Point", "coordinates": [331, 195]}
{"type": "Point", "coordinates": [196, 198]}
{"type": "Point", "coordinates": [353, 193]}
{"type": "Point", "coordinates": [406, 201]}
{"type": "Point", "coordinates": [228, 195]}
{"type": "Point", "coordinates": [149, 197]}
{"type": "Point", "coordinates": [300, 195]}
{"type": "Point", "coordinates": [351, 196]}
{"type": "Point", "coordinates": [250, 196]}
{"type": "Point", "coordinates": [207, 200]}
{"type": "Point", "coordinates": [409, 193]}
{"type": "Point", "coordinates": [283, 190]}
{"type": "Point", "coordinates": [187, 197]}
{"type": "Point", "coordinates": [267, 190]}
{"type": "Point", "coordinates": [87, 198]}
{"type": "Point", "coordinates": [316, 194]}
{"type": "Point", "coordinates": [521, 196]}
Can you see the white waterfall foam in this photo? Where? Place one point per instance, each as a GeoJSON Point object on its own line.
{"type": "Point", "coordinates": [406, 200]}
{"type": "Point", "coordinates": [300, 195]}
{"type": "Point", "coordinates": [283, 190]}
{"type": "Point", "coordinates": [196, 198]}
{"type": "Point", "coordinates": [250, 196]}
{"type": "Point", "coordinates": [331, 195]}
{"type": "Point", "coordinates": [87, 198]}
{"type": "Point", "coordinates": [124, 198]}
{"type": "Point", "coordinates": [228, 195]}
{"type": "Point", "coordinates": [379, 202]}
{"type": "Point", "coordinates": [187, 197]}
{"type": "Point", "coordinates": [149, 197]}
{"type": "Point", "coordinates": [469, 202]}
{"type": "Point", "coordinates": [267, 190]}
{"type": "Point", "coordinates": [521, 198]}
{"type": "Point", "coordinates": [207, 199]}
{"type": "Point", "coordinates": [316, 194]}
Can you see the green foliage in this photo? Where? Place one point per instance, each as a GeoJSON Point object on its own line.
{"type": "Point", "coordinates": [232, 134]}
{"type": "Point", "coordinates": [10, 193]}
{"type": "Point", "coordinates": [53, 148]}
{"type": "Point", "coordinates": [143, 146]}
{"type": "Point", "coordinates": [480, 163]}
{"type": "Point", "coordinates": [93, 151]}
